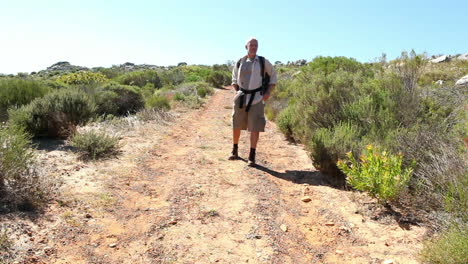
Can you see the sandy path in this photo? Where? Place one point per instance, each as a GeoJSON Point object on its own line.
{"type": "Point", "coordinates": [184, 202]}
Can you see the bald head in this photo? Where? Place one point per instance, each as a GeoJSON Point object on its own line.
{"type": "Point", "coordinates": [251, 45]}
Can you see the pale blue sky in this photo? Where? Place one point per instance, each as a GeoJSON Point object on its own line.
{"type": "Point", "coordinates": [36, 34]}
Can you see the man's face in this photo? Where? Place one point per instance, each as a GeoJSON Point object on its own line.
{"type": "Point", "coordinates": [252, 47]}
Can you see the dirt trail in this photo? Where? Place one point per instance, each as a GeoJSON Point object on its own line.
{"type": "Point", "coordinates": [184, 202]}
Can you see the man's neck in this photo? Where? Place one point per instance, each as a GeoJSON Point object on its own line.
{"type": "Point", "coordinates": [251, 56]}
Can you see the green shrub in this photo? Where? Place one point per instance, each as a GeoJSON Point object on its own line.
{"type": "Point", "coordinates": [456, 196]}
{"type": "Point", "coordinates": [21, 185]}
{"type": "Point", "coordinates": [203, 89]}
{"type": "Point", "coordinates": [94, 145]}
{"type": "Point", "coordinates": [111, 73]}
{"type": "Point", "coordinates": [83, 78]}
{"type": "Point", "coordinates": [279, 99]}
{"type": "Point", "coordinates": [195, 73]}
{"type": "Point", "coordinates": [409, 68]}
{"type": "Point", "coordinates": [5, 242]}
{"type": "Point", "coordinates": [106, 102]}
{"type": "Point", "coordinates": [157, 102]}
{"type": "Point", "coordinates": [286, 123]}
{"type": "Point", "coordinates": [173, 77]}
{"type": "Point", "coordinates": [18, 92]}
{"type": "Point", "coordinates": [450, 247]}
{"type": "Point", "coordinates": [379, 173]}
{"type": "Point", "coordinates": [141, 78]}
{"type": "Point", "coordinates": [328, 145]}
{"type": "Point", "coordinates": [115, 99]}
{"type": "Point", "coordinates": [192, 100]}
{"type": "Point", "coordinates": [327, 65]}
{"type": "Point", "coordinates": [219, 79]}
{"type": "Point", "coordinates": [55, 84]}
{"type": "Point", "coordinates": [178, 96]}
{"type": "Point", "coordinates": [55, 114]}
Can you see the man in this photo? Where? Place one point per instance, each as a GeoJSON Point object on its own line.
{"type": "Point", "coordinates": [249, 102]}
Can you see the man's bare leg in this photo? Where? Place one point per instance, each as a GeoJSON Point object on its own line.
{"type": "Point", "coordinates": [236, 135]}
{"type": "Point", "coordinates": [254, 139]}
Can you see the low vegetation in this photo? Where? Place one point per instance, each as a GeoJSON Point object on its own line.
{"type": "Point", "coordinates": [94, 145]}
{"type": "Point", "coordinates": [408, 110]}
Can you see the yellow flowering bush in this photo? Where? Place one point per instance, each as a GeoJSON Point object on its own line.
{"type": "Point", "coordinates": [83, 77]}
{"type": "Point", "coordinates": [379, 173]}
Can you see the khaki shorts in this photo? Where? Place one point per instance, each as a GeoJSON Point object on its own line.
{"type": "Point", "coordinates": [254, 120]}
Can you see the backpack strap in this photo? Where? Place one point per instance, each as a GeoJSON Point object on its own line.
{"type": "Point", "coordinates": [262, 66]}
{"type": "Point", "coordinates": [265, 76]}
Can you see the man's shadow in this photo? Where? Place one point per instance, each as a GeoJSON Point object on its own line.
{"type": "Point", "coordinates": [316, 178]}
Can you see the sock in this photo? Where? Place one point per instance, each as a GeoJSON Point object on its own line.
{"type": "Point", "coordinates": [252, 154]}
{"type": "Point", "coordinates": [235, 147]}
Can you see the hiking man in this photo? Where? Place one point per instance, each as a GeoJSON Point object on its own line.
{"type": "Point", "coordinates": [253, 78]}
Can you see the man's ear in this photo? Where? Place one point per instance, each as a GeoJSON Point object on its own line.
{"type": "Point", "coordinates": [246, 47]}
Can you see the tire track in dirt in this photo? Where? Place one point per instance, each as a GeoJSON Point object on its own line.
{"type": "Point", "coordinates": [184, 202]}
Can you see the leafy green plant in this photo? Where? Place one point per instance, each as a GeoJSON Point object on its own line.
{"type": "Point", "coordinates": [5, 242]}
{"type": "Point", "coordinates": [219, 79]}
{"type": "Point", "coordinates": [379, 173]}
{"type": "Point", "coordinates": [18, 92]}
{"type": "Point", "coordinates": [203, 89]}
{"type": "Point", "coordinates": [21, 185]}
{"type": "Point", "coordinates": [196, 73]}
{"type": "Point", "coordinates": [157, 102]}
{"type": "Point", "coordinates": [118, 100]}
{"type": "Point", "coordinates": [83, 78]}
{"type": "Point", "coordinates": [55, 114]}
{"type": "Point", "coordinates": [94, 145]}
{"type": "Point", "coordinates": [141, 78]}
{"type": "Point", "coordinates": [173, 77]}
{"type": "Point", "coordinates": [450, 247]}
{"type": "Point", "coordinates": [285, 121]}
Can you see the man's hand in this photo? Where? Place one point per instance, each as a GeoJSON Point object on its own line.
{"type": "Point", "coordinates": [268, 92]}
{"type": "Point", "coordinates": [236, 87]}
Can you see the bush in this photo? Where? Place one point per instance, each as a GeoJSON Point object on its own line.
{"type": "Point", "coordinates": [18, 92]}
{"type": "Point", "coordinates": [94, 145]}
{"type": "Point", "coordinates": [21, 184]}
{"type": "Point", "coordinates": [111, 73]}
{"type": "Point", "coordinates": [279, 99]}
{"type": "Point", "coordinates": [178, 96]}
{"type": "Point", "coordinates": [450, 247]}
{"type": "Point", "coordinates": [5, 242]}
{"type": "Point", "coordinates": [83, 78]}
{"type": "Point", "coordinates": [203, 89]}
{"type": "Point", "coordinates": [219, 79]}
{"type": "Point", "coordinates": [141, 78]}
{"type": "Point", "coordinates": [286, 123]}
{"type": "Point", "coordinates": [106, 102]}
{"type": "Point", "coordinates": [157, 102]}
{"type": "Point", "coordinates": [328, 65]}
{"type": "Point", "coordinates": [409, 68]}
{"type": "Point", "coordinates": [192, 101]}
{"type": "Point", "coordinates": [328, 145]}
{"type": "Point", "coordinates": [196, 73]}
{"type": "Point", "coordinates": [118, 100]}
{"type": "Point", "coordinates": [173, 77]}
{"type": "Point", "coordinates": [379, 173]}
{"type": "Point", "coordinates": [56, 114]}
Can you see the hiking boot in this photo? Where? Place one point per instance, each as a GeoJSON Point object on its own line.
{"type": "Point", "coordinates": [251, 161]}
{"type": "Point", "coordinates": [234, 154]}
